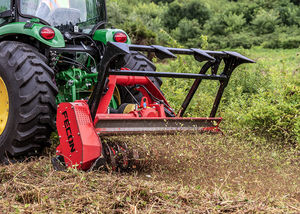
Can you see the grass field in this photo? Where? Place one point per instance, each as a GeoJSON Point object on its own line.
{"type": "Point", "coordinates": [180, 173]}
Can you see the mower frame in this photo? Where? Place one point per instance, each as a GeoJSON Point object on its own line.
{"type": "Point", "coordinates": [82, 123]}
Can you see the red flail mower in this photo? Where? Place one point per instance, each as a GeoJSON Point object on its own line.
{"type": "Point", "coordinates": [82, 123]}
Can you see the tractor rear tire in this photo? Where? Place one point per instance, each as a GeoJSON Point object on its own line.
{"type": "Point", "coordinates": [28, 84]}
{"type": "Point", "coordinates": [139, 62]}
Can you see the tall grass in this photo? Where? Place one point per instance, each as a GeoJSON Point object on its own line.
{"type": "Point", "coordinates": [262, 99]}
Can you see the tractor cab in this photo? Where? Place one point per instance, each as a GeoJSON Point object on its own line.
{"type": "Point", "coordinates": [77, 15]}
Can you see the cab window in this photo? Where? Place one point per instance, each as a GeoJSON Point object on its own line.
{"type": "Point", "coordinates": [4, 6]}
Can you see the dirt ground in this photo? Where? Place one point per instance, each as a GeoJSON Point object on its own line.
{"type": "Point", "coordinates": [178, 174]}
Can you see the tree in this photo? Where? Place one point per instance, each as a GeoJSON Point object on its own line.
{"type": "Point", "coordinates": [265, 21]}
{"type": "Point", "coordinates": [192, 9]}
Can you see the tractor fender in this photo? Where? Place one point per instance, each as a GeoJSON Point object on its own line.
{"type": "Point", "coordinates": [33, 30]}
{"type": "Point", "coordinates": [107, 35]}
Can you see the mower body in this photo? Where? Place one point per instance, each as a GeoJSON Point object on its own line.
{"type": "Point", "coordinates": [92, 119]}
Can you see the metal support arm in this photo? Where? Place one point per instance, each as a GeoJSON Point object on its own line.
{"type": "Point", "coordinates": [116, 50]}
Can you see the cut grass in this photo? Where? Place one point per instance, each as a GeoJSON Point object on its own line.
{"type": "Point", "coordinates": [178, 174]}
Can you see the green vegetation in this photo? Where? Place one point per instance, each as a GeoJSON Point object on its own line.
{"type": "Point", "coordinates": [262, 99]}
{"type": "Point", "coordinates": [227, 24]}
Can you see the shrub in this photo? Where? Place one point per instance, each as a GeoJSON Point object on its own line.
{"type": "Point", "coordinates": [296, 2]}
{"type": "Point", "coordinates": [187, 30]}
{"type": "Point", "coordinates": [234, 22]}
{"type": "Point", "coordinates": [195, 9]}
{"type": "Point", "coordinates": [265, 21]}
{"type": "Point", "coordinates": [264, 99]}
{"type": "Point", "coordinates": [284, 37]}
{"type": "Point", "coordinates": [139, 33]}
{"type": "Point", "coordinates": [192, 9]}
{"type": "Point", "coordinates": [173, 15]}
{"type": "Point", "coordinates": [288, 15]}
{"type": "Point", "coordinates": [275, 114]}
{"type": "Point", "coordinates": [115, 14]}
{"type": "Point", "coordinates": [162, 1]}
{"type": "Point", "coordinates": [215, 25]}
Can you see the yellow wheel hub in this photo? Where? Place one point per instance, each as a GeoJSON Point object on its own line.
{"type": "Point", "coordinates": [4, 105]}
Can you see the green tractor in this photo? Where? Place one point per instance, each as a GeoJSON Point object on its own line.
{"type": "Point", "coordinates": [49, 52]}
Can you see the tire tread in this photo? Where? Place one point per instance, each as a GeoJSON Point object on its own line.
{"type": "Point", "coordinates": [35, 120]}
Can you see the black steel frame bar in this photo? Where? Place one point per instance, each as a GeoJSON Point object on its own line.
{"type": "Point", "coordinates": [193, 89]}
{"type": "Point", "coordinates": [230, 65]}
{"type": "Point", "coordinates": [166, 74]}
{"type": "Point", "coordinates": [205, 55]}
{"type": "Point", "coordinates": [183, 51]}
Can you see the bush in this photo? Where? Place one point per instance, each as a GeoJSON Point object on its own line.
{"type": "Point", "coordinates": [162, 1]}
{"type": "Point", "coordinates": [115, 14]}
{"type": "Point", "coordinates": [296, 2]}
{"type": "Point", "coordinates": [288, 15]}
{"type": "Point", "coordinates": [249, 10]}
{"type": "Point", "coordinates": [195, 9]}
{"type": "Point", "coordinates": [264, 98]}
{"type": "Point", "coordinates": [173, 15]}
{"type": "Point", "coordinates": [187, 32]}
{"type": "Point", "coordinates": [234, 23]}
{"type": "Point", "coordinates": [261, 98]}
{"type": "Point", "coordinates": [265, 21]}
{"type": "Point", "coordinates": [192, 9]}
{"type": "Point", "coordinates": [227, 24]}
{"type": "Point", "coordinates": [215, 25]}
{"type": "Point", "coordinates": [275, 114]}
{"type": "Point", "coordinates": [284, 37]}
{"type": "Point", "coordinates": [139, 33]}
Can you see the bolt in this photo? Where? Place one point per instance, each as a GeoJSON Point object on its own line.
{"type": "Point", "coordinates": [78, 133]}
{"type": "Point", "coordinates": [70, 82]}
{"type": "Point", "coordinates": [59, 137]}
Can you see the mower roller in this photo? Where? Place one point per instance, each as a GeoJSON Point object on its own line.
{"type": "Point", "coordinates": [82, 123]}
